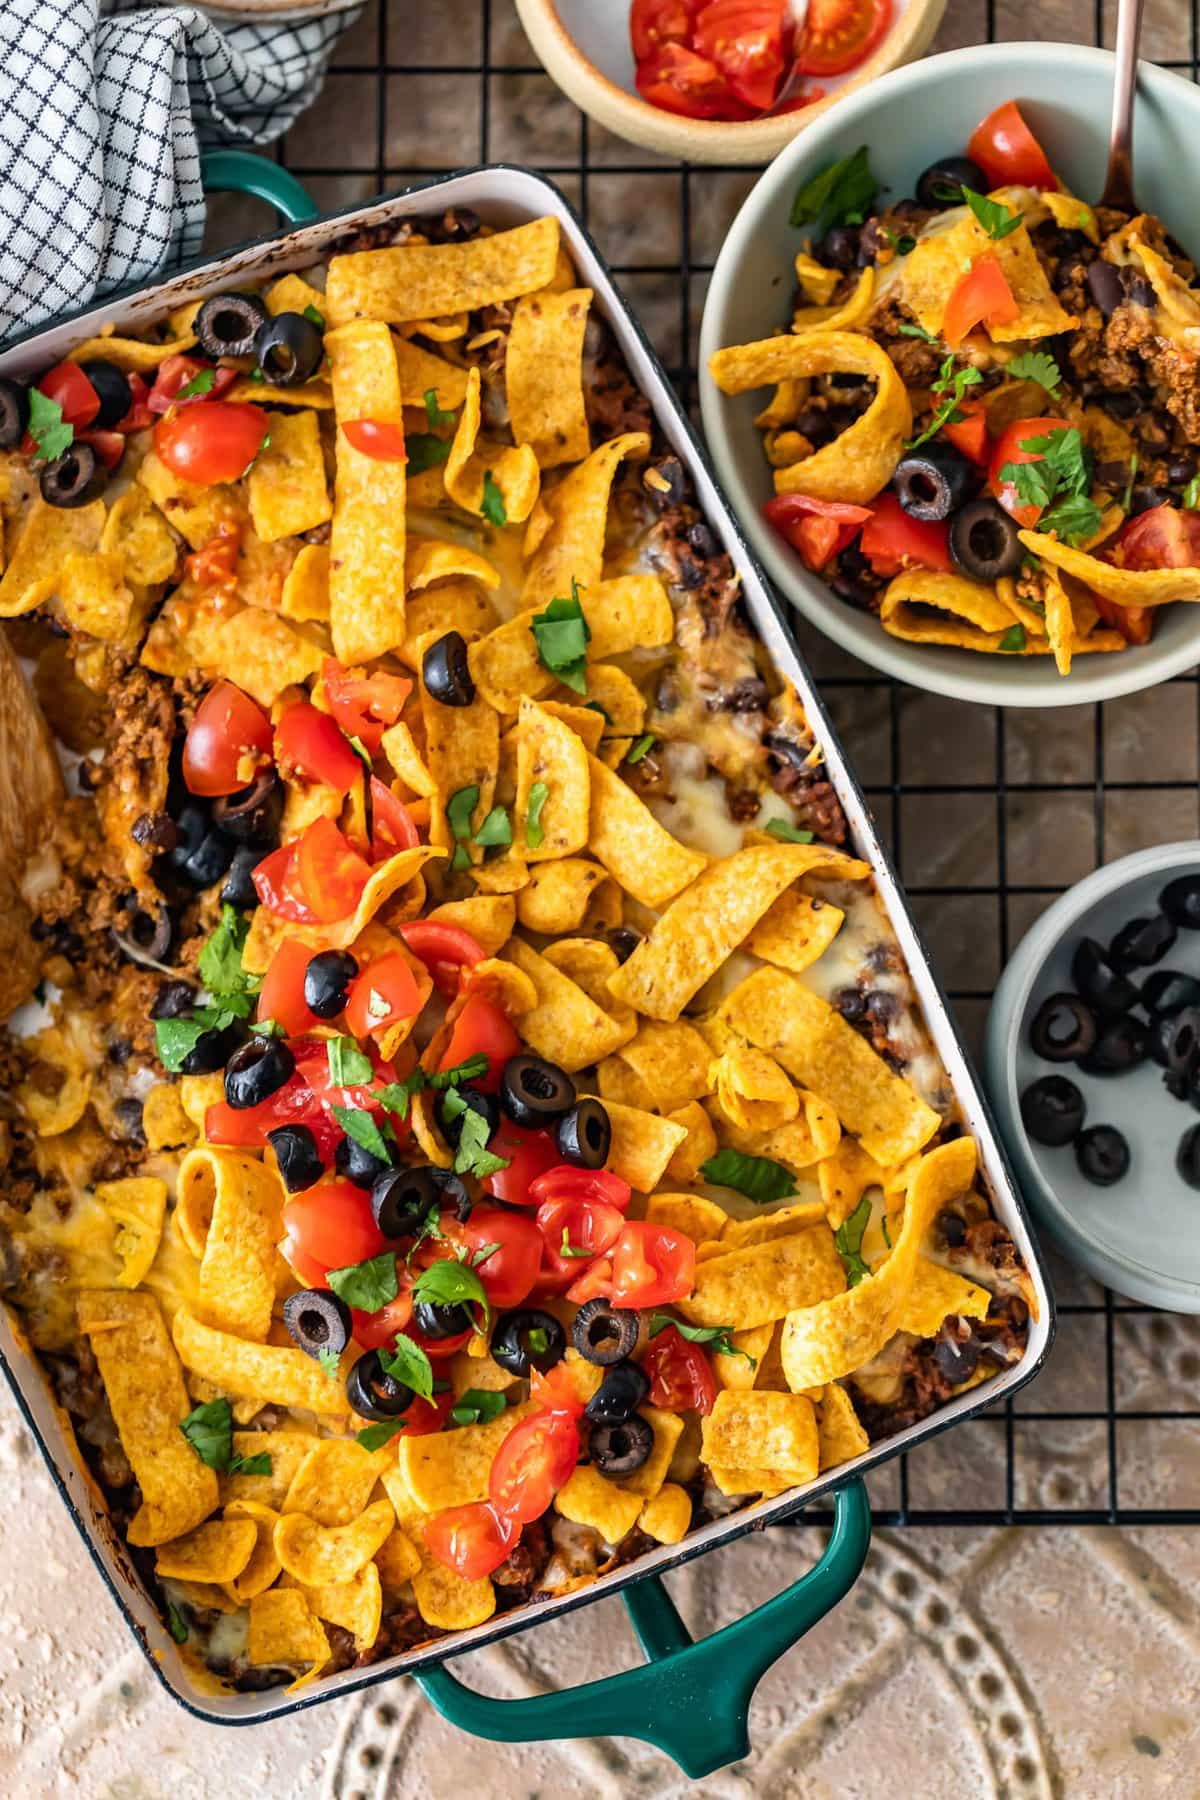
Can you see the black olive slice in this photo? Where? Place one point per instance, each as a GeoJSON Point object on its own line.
{"type": "Point", "coordinates": [317, 1321]}
{"type": "Point", "coordinates": [290, 349]}
{"type": "Point", "coordinates": [1141, 943]}
{"type": "Point", "coordinates": [620, 1449]}
{"type": "Point", "coordinates": [296, 1153]}
{"type": "Point", "coordinates": [373, 1394]}
{"type": "Point", "coordinates": [1167, 991]}
{"type": "Point", "coordinates": [212, 1050]}
{"type": "Point", "coordinates": [256, 1071]}
{"type": "Point", "coordinates": [984, 541]}
{"type": "Point", "coordinates": [73, 478]}
{"type": "Point", "coordinates": [584, 1135]}
{"type": "Point", "coordinates": [528, 1339]}
{"type": "Point", "coordinates": [1098, 983]}
{"type": "Point", "coordinates": [402, 1200]}
{"type": "Point", "coordinates": [1102, 1155]}
{"type": "Point", "coordinates": [239, 889]}
{"type": "Point", "coordinates": [1052, 1110]}
{"type": "Point", "coordinates": [1187, 1157]}
{"type": "Point", "coordinates": [228, 324]}
{"type": "Point", "coordinates": [1180, 900]}
{"type": "Point", "coordinates": [252, 816]}
{"type": "Point", "coordinates": [619, 1395]}
{"type": "Point", "coordinates": [437, 1321]}
{"type": "Point", "coordinates": [1175, 1039]}
{"type": "Point", "coordinates": [1121, 1045]}
{"type": "Point", "coordinates": [486, 1105]}
{"type": "Point", "coordinates": [942, 183]}
{"type": "Point", "coordinates": [446, 672]}
{"type": "Point", "coordinates": [14, 412]}
{"type": "Point", "coordinates": [1063, 1028]}
{"type": "Point", "coordinates": [358, 1164]}
{"type": "Point", "coordinates": [113, 391]}
{"type": "Point", "coordinates": [534, 1092]}
{"type": "Point", "coordinates": [327, 982]}
{"type": "Point", "coordinates": [930, 483]}
{"type": "Point", "coordinates": [603, 1333]}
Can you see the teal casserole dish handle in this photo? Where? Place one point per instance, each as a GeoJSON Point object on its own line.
{"type": "Point", "coordinates": [691, 1700]}
{"type": "Point", "coordinates": [241, 172]}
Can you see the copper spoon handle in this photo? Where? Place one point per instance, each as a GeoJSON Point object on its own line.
{"type": "Point", "coordinates": [1118, 184]}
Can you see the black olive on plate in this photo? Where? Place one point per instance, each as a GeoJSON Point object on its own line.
{"type": "Point", "coordinates": [619, 1395]}
{"type": "Point", "coordinates": [1175, 1040]}
{"type": "Point", "coordinates": [373, 1394]}
{"type": "Point", "coordinates": [299, 1160]}
{"type": "Point", "coordinates": [1141, 942]}
{"type": "Point", "coordinates": [1180, 900]}
{"type": "Point", "coordinates": [486, 1105]}
{"type": "Point", "coordinates": [146, 936]}
{"type": "Point", "coordinates": [604, 1334]}
{"type": "Point", "coordinates": [317, 1321]}
{"type": "Point", "coordinates": [173, 1000]}
{"type": "Point", "coordinates": [1187, 1157]}
{"type": "Point", "coordinates": [252, 815]}
{"type": "Point", "coordinates": [73, 478]}
{"type": "Point", "coordinates": [113, 391]}
{"type": "Point", "coordinates": [1145, 498]}
{"type": "Point", "coordinates": [1167, 991]}
{"type": "Point", "coordinates": [1105, 991]}
{"type": "Point", "coordinates": [256, 1071]}
{"type": "Point", "coordinates": [239, 889]}
{"type": "Point", "coordinates": [212, 1050]}
{"type": "Point", "coordinates": [942, 183]}
{"type": "Point", "coordinates": [290, 349]}
{"type": "Point", "coordinates": [534, 1092]}
{"type": "Point", "coordinates": [1104, 285]}
{"type": "Point", "coordinates": [446, 672]}
{"type": "Point", "coordinates": [1063, 1028]}
{"type": "Point", "coordinates": [1102, 1155]}
{"type": "Point", "coordinates": [984, 541]}
{"type": "Point", "coordinates": [202, 853]}
{"type": "Point", "coordinates": [441, 1321]}
{"type": "Point", "coordinates": [528, 1339]}
{"type": "Point", "coordinates": [454, 1196]}
{"type": "Point", "coordinates": [14, 412]}
{"type": "Point", "coordinates": [838, 249]}
{"type": "Point", "coordinates": [228, 324]}
{"type": "Point", "coordinates": [932, 482]}
{"type": "Point", "coordinates": [1122, 1044]}
{"type": "Point", "coordinates": [584, 1135]}
{"type": "Point", "coordinates": [624, 941]}
{"type": "Point", "coordinates": [621, 1449]}
{"type": "Point", "coordinates": [359, 1165]}
{"type": "Point", "coordinates": [402, 1200]}
{"type": "Point", "coordinates": [1052, 1110]}
{"type": "Point", "coordinates": [327, 981]}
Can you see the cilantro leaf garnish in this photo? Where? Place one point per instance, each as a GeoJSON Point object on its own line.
{"type": "Point", "coordinates": [496, 830]}
{"type": "Point", "coordinates": [425, 451]}
{"type": "Point", "coordinates": [538, 1339]}
{"type": "Point", "coordinates": [1013, 640]}
{"type": "Point", "coordinates": [358, 1124]}
{"type": "Point", "coordinates": [847, 1241]}
{"type": "Point", "coordinates": [1071, 519]}
{"type": "Point", "coordinates": [405, 1361]}
{"type": "Point", "coordinates": [367, 1285]}
{"type": "Point", "coordinates": [1058, 482]}
{"type": "Point", "coordinates": [539, 793]}
{"type": "Point", "coordinates": [201, 383]}
{"type": "Point", "coordinates": [997, 219]}
{"type": "Point", "coordinates": [175, 1039]}
{"type": "Point", "coordinates": [396, 1096]}
{"type": "Point", "coordinates": [472, 1156]}
{"type": "Point", "coordinates": [348, 1065]}
{"type": "Point", "coordinates": [949, 389]}
{"type": "Point", "coordinates": [374, 1437]}
{"type": "Point", "coordinates": [176, 1624]}
{"type": "Point", "coordinates": [562, 634]}
{"type": "Point", "coordinates": [467, 1070]}
{"type": "Point", "coordinates": [717, 1337]}
{"type": "Point", "coordinates": [484, 1251]}
{"type": "Point", "coordinates": [258, 1464]}
{"type": "Point", "coordinates": [433, 411]}
{"type": "Point", "coordinates": [787, 832]}
{"type": "Point", "coordinates": [329, 1360]}
{"type": "Point", "coordinates": [219, 964]}
{"type": "Point", "coordinates": [46, 427]}
{"type": "Point", "coordinates": [477, 1407]}
{"type": "Point", "coordinates": [209, 1430]}
{"type": "Point", "coordinates": [567, 1248]}
{"type": "Point", "coordinates": [451, 1283]}
{"type": "Point", "coordinates": [459, 807]}
{"type": "Point", "coordinates": [915, 331]}
{"type": "Point", "coordinates": [640, 747]}
{"type": "Point", "coordinates": [315, 316]}
{"type": "Point", "coordinates": [758, 1177]}
{"type": "Point", "coordinates": [1036, 365]}
{"type": "Point", "coordinates": [843, 189]}
{"type": "Point", "coordinates": [492, 504]}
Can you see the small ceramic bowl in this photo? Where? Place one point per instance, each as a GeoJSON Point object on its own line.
{"type": "Point", "coordinates": [584, 47]}
{"type": "Point", "coordinates": [907, 119]}
{"type": "Point", "coordinates": [1141, 1236]}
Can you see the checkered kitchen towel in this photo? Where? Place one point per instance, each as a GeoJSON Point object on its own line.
{"type": "Point", "coordinates": [104, 105]}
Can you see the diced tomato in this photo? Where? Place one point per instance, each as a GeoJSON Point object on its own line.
{"type": "Point", "coordinates": [68, 386]}
{"type": "Point", "coordinates": [472, 1540]}
{"type": "Point", "coordinates": [443, 949]}
{"type": "Point", "coordinates": [331, 1226]}
{"type": "Point", "coordinates": [1010, 448]}
{"type": "Point", "coordinates": [980, 297]}
{"type": "Point", "coordinates": [679, 81]}
{"type": "Point", "coordinates": [594, 1284]}
{"type": "Point", "coordinates": [681, 1377]}
{"type": "Point", "coordinates": [175, 373]}
{"type": "Point", "coordinates": [215, 563]}
{"type": "Point", "coordinates": [281, 996]}
{"type": "Point", "coordinates": [748, 41]}
{"type": "Point", "coordinates": [509, 1272]}
{"type": "Point", "coordinates": [312, 1062]}
{"type": "Point", "coordinates": [1135, 623]}
{"type": "Point", "coordinates": [1007, 151]}
{"type": "Point", "coordinates": [839, 34]}
{"type": "Point", "coordinates": [364, 705]}
{"type": "Point", "coordinates": [377, 438]}
{"type": "Point", "coordinates": [383, 993]}
{"type": "Point", "coordinates": [330, 873]}
{"type": "Point", "coordinates": [246, 1127]}
{"type": "Point", "coordinates": [565, 1181]}
{"type": "Point", "coordinates": [970, 433]}
{"type": "Point", "coordinates": [529, 1153]}
{"type": "Point", "coordinates": [894, 540]}
{"type": "Point", "coordinates": [227, 742]}
{"type": "Point", "coordinates": [139, 414]}
{"type": "Point", "coordinates": [533, 1462]}
{"type": "Point", "coordinates": [574, 1230]}
{"type": "Point", "coordinates": [818, 530]}
{"type": "Point", "coordinates": [426, 1416]}
{"type": "Point", "coordinates": [108, 445]}
{"type": "Point", "coordinates": [556, 1390]}
{"type": "Point", "coordinates": [656, 22]}
{"type": "Point", "coordinates": [392, 828]}
{"type": "Point", "coordinates": [441, 1349]}
{"type": "Point", "coordinates": [1162, 537]}
{"type": "Point", "coordinates": [481, 1027]}
{"type": "Point", "coordinates": [210, 441]}
{"type": "Point", "coordinates": [382, 1327]}
{"type": "Point", "coordinates": [277, 884]}
{"type": "Point", "coordinates": [652, 1265]}
{"type": "Point", "coordinates": [308, 742]}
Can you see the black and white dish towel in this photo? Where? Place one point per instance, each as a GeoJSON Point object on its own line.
{"type": "Point", "coordinates": [104, 108]}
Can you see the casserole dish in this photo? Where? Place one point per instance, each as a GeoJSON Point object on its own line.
{"type": "Point", "coordinates": [692, 1701]}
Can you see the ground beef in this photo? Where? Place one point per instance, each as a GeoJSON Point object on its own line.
{"type": "Point", "coordinates": [987, 1241]}
{"type": "Point", "coordinates": [520, 1574]}
{"type": "Point", "coordinates": [80, 1390]}
{"type": "Point", "coordinates": [612, 402]}
{"type": "Point", "coordinates": [401, 1629]}
{"type": "Point", "coordinates": [917, 361]}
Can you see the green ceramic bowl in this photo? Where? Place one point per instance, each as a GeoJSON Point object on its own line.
{"type": "Point", "coordinates": [907, 119]}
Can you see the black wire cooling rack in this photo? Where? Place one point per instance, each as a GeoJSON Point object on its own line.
{"type": "Point", "coordinates": [1110, 1431]}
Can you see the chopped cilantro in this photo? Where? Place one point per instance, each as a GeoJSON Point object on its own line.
{"type": "Point", "coordinates": [315, 317]}
{"type": "Point", "coordinates": [46, 426]}
{"type": "Point", "coordinates": [496, 831]}
{"type": "Point", "coordinates": [1035, 365]}
{"type": "Point", "coordinates": [219, 964]}
{"type": "Point", "coordinates": [492, 504]}
{"type": "Point", "coordinates": [268, 1028]}
{"type": "Point", "coordinates": [840, 193]}
{"type": "Point", "coordinates": [1127, 496]}
{"type": "Point", "coordinates": [1057, 482]}
{"type": "Point", "coordinates": [466, 1070]}
{"type": "Point", "coordinates": [758, 1177]}
{"type": "Point", "coordinates": [459, 807]}
{"type": "Point", "coordinates": [916, 331]}
{"type": "Point", "coordinates": [258, 1464]}
{"type": "Point", "coordinates": [209, 1430]}
{"type": "Point", "coordinates": [175, 1039]}
{"type": "Point", "coordinates": [484, 1251]}
{"type": "Point", "coordinates": [472, 1156]}
{"type": "Point", "coordinates": [538, 1340]}
{"type": "Point", "coordinates": [561, 634]}
{"type": "Point", "coordinates": [348, 1065]}
{"type": "Point", "coordinates": [201, 383]}
{"type": "Point", "coordinates": [948, 389]}
{"type": "Point", "coordinates": [717, 1337]}
{"type": "Point", "coordinates": [329, 1360]}
{"type": "Point", "coordinates": [1072, 519]}
{"type": "Point", "coordinates": [641, 747]}
{"type": "Point", "coordinates": [1191, 495]}
{"type": "Point", "coordinates": [374, 1437]}
{"type": "Point", "coordinates": [176, 1624]}
{"type": "Point", "coordinates": [997, 220]}
{"type": "Point", "coordinates": [358, 1124]}
{"type": "Point", "coordinates": [567, 1248]}
{"type": "Point", "coordinates": [1013, 640]}
{"type": "Point", "coordinates": [425, 451]}
{"type": "Point", "coordinates": [405, 1361]}
{"type": "Point", "coordinates": [477, 1407]}
{"type": "Point", "coordinates": [367, 1285]}
{"type": "Point", "coordinates": [395, 1097]}
{"type": "Point", "coordinates": [539, 793]}
{"type": "Point", "coordinates": [433, 411]}
{"type": "Point", "coordinates": [787, 832]}
{"type": "Point", "coordinates": [847, 1241]}
{"type": "Point", "coordinates": [451, 1283]}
